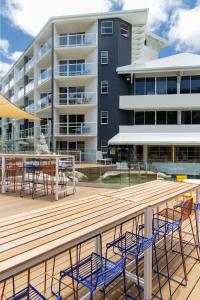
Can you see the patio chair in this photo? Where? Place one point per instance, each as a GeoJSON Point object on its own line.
{"type": "Point", "coordinates": [181, 213]}
{"type": "Point", "coordinates": [29, 293]}
{"type": "Point", "coordinates": [163, 228]}
{"type": "Point", "coordinates": [135, 244]}
{"type": "Point", "coordinates": [95, 272]}
{"type": "Point", "coordinates": [12, 173]}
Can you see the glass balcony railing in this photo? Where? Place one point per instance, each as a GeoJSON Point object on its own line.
{"type": "Point", "coordinates": [78, 69]}
{"type": "Point", "coordinates": [20, 74]}
{"type": "Point", "coordinates": [44, 102]}
{"type": "Point", "coordinates": [44, 49]}
{"type": "Point", "coordinates": [25, 133]}
{"type": "Point", "coordinates": [82, 128]}
{"type": "Point", "coordinates": [6, 88]}
{"type": "Point", "coordinates": [20, 93]}
{"type": "Point", "coordinates": [76, 40]}
{"type": "Point", "coordinates": [12, 98]}
{"type": "Point", "coordinates": [82, 98]}
{"type": "Point", "coordinates": [11, 82]}
{"type": "Point", "coordinates": [45, 75]}
{"type": "Point", "coordinates": [29, 64]}
{"type": "Point", "coordinates": [29, 86]}
{"type": "Point", "coordinates": [30, 108]}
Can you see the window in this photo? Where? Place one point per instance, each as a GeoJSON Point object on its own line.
{"type": "Point", "coordinates": [161, 117]}
{"type": "Point", "coordinates": [106, 27]}
{"type": "Point", "coordinates": [104, 87]}
{"type": "Point", "coordinates": [196, 117]}
{"type": "Point", "coordinates": [104, 146]}
{"type": "Point", "coordinates": [140, 86]}
{"type": "Point", "coordinates": [104, 117]}
{"type": "Point", "coordinates": [161, 86]}
{"type": "Point", "coordinates": [187, 154]}
{"type": "Point", "coordinates": [139, 118]}
{"type": "Point", "coordinates": [159, 153]}
{"type": "Point", "coordinates": [171, 117]}
{"type": "Point", "coordinates": [124, 30]}
{"type": "Point", "coordinates": [186, 117]}
{"type": "Point", "coordinates": [150, 86]}
{"type": "Point", "coordinates": [104, 57]}
{"type": "Point", "coordinates": [149, 117]}
{"type": "Point", "coordinates": [195, 84]}
{"type": "Point", "coordinates": [185, 85]}
{"type": "Point", "coordinates": [171, 85]}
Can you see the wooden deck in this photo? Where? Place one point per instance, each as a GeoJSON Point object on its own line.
{"type": "Point", "coordinates": [28, 239]}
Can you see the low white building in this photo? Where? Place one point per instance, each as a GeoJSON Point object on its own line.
{"type": "Point", "coordinates": [164, 107]}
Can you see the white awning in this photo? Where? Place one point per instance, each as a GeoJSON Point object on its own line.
{"type": "Point", "coordinates": [184, 138]}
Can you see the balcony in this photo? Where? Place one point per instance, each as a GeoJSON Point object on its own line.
{"type": "Point", "coordinates": [20, 74]}
{"type": "Point", "coordinates": [44, 76]}
{"type": "Point", "coordinates": [29, 87]}
{"type": "Point", "coordinates": [44, 102]}
{"type": "Point", "coordinates": [79, 73]}
{"type": "Point", "coordinates": [12, 98]}
{"type": "Point", "coordinates": [30, 108]}
{"type": "Point", "coordinates": [83, 98]}
{"type": "Point", "coordinates": [76, 40]}
{"type": "Point", "coordinates": [170, 101]}
{"type": "Point", "coordinates": [6, 88]}
{"type": "Point", "coordinates": [76, 129]}
{"type": "Point", "coordinates": [44, 49]}
{"type": "Point", "coordinates": [20, 93]}
{"type": "Point", "coordinates": [25, 133]}
{"type": "Point", "coordinates": [29, 65]}
{"type": "Point", "coordinates": [11, 82]}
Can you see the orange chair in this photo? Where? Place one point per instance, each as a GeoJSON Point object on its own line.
{"type": "Point", "coordinates": [182, 214]}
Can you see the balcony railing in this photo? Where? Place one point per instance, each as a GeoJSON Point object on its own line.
{"type": "Point", "coordinates": [6, 88]}
{"type": "Point", "coordinates": [30, 108]}
{"type": "Point", "coordinates": [12, 98]}
{"type": "Point", "coordinates": [82, 98]}
{"type": "Point", "coordinates": [44, 49]}
{"type": "Point", "coordinates": [76, 40]}
{"type": "Point", "coordinates": [29, 86]}
{"type": "Point", "coordinates": [25, 133]}
{"type": "Point", "coordinates": [78, 69]}
{"type": "Point", "coordinates": [81, 128]}
{"type": "Point", "coordinates": [44, 102]}
{"type": "Point", "coordinates": [45, 75]}
{"type": "Point", "coordinates": [20, 93]}
{"type": "Point", "coordinates": [29, 64]}
{"type": "Point", "coordinates": [11, 82]}
{"type": "Point", "coordinates": [20, 74]}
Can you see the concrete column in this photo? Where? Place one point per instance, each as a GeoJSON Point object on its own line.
{"type": "Point", "coordinates": [145, 154]}
{"type": "Point", "coordinates": [178, 84]}
{"type": "Point", "coordinates": [179, 117]}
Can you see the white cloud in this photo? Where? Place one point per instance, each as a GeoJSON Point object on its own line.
{"type": "Point", "coordinates": [31, 15]}
{"type": "Point", "coordinates": [185, 29]}
{"type": "Point", "coordinates": [15, 55]}
{"type": "Point", "coordinates": [4, 68]}
{"type": "Point", "coordinates": [4, 46]}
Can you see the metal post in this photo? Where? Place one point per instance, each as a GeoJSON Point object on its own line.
{"type": "Point", "coordinates": [148, 256]}
{"type": "Point", "coordinates": [3, 167]}
{"type": "Point", "coordinates": [197, 215]}
{"type": "Point", "coordinates": [73, 172]}
{"type": "Point", "coordinates": [56, 193]}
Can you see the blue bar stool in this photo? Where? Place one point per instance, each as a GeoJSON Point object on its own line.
{"type": "Point", "coordinates": [28, 293]}
{"type": "Point", "coordinates": [33, 171]}
{"type": "Point", "coordinates": [94, 272]}
{"type": "Point", "coordinates": [135, 244]}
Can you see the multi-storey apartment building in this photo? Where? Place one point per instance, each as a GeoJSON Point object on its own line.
{"type": "Point", "coordinates": [164, 106]}
{"type": "Point", "coordinates": [68, 77]}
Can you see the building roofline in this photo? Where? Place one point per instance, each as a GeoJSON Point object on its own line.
{"type": "Point", "coordinates": [94, 16]}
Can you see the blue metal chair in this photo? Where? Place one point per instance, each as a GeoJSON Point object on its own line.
{"type": "Point", "coordinates": [134, 244]}
{"type": "Point", "coordinates": [163, 228]}
{"type": "Point", "coordinates": [28, 293]}
{"type": "Point", "coordinates": [95, 272]}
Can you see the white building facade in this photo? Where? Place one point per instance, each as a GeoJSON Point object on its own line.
{"type": "Point", "coordinates": [68, 77]}
{"type": "Point", "coordinates": [164, 106]}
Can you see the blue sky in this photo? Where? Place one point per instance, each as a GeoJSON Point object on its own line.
{"type": "Point", "coordinates": [20, 20]}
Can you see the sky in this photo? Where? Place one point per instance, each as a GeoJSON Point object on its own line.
{"type": "Point", "coordinates": [21, 20]}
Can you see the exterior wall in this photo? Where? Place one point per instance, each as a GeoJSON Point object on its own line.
{"type": "Point", "coordinates": [149, 102]}
{"type": "Point", "coordinates": [159, 128]}
{"type": "Point", "coordinates": [119, 49]}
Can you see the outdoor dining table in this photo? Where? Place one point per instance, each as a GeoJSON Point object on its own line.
{"type": "Point", "coordinates": [52, 157]}
{"type": "Point", "coordinates": [24, 244]}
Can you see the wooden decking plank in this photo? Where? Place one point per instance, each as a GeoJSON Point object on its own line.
{"type": "Point", "coordinates": [66, 216]}
{"type": "Point", "coordinates": [60, 217]}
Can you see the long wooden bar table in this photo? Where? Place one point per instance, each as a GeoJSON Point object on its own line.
{"type": "Point", "coordinates": [31, 238]}
{"type": "Point", "coordinates": [25, 156]}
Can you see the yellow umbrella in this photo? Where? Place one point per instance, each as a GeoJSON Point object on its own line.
{"type": "Point", "coordinates": [9, 110]}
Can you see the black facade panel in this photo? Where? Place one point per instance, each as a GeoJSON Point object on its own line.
{"type": "Point", "coordinates": [119, 54]}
